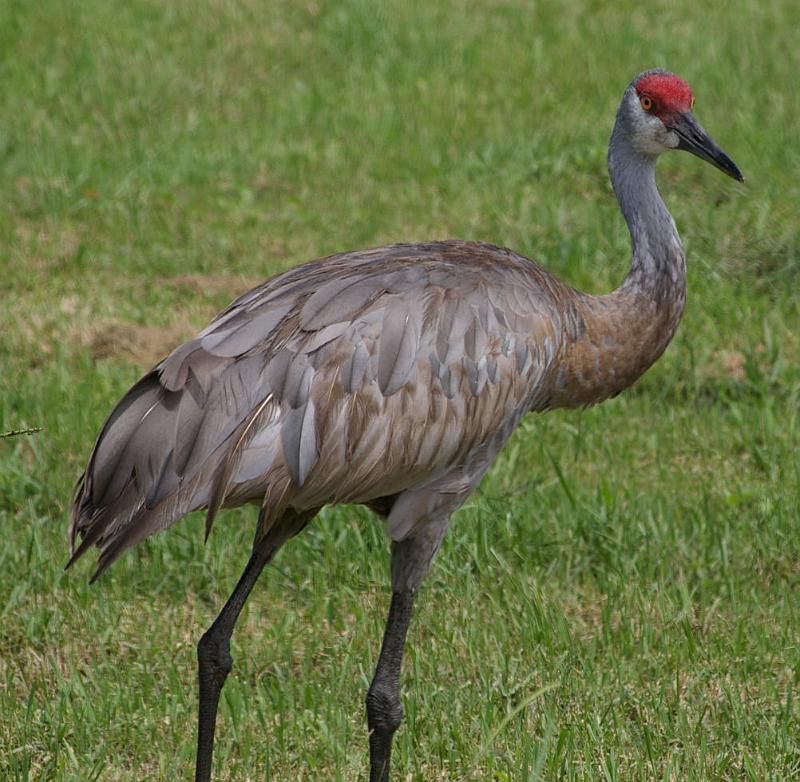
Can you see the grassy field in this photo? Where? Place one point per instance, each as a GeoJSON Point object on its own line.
{"type": "Point", "coordinates": [621, 598]}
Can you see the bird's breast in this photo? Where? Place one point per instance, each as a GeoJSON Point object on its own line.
{"type": "Point", "coordinates": [622, 337]}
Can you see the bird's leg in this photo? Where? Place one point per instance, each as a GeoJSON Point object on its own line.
{"type": "Point", "coordinates": [411, 560]}
{"type": "Point", "coordinates": [214, 650]}
{"type": "Point", "coordinates": [384, 707]}
{"type": "Point", "coordinates": [214, 659]}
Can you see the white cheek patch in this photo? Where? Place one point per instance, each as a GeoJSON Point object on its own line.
{"type": "Point", "coordinates": [671, 139]}
{"type": "Point", "coordinates": [649, 137]}
{"type": "Point", "coordinates": [653, 137]}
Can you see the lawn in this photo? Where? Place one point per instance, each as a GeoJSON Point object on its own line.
{"type": "Point", "coordinates": [620, 600]}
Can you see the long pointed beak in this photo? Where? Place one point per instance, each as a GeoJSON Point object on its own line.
{"type": "Point", "coordinates": [693, 138]}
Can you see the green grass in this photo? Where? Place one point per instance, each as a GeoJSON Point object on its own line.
{"type": "Point", "coordinates": [621, 598]}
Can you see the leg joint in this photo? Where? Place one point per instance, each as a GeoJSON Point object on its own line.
{"type": "Point", "coordinates": [384, 709]}
{"type": "Point", "coordinates": [214, 654]}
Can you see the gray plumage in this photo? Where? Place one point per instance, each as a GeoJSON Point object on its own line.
{"type": "Point", "coordinates": [390, 377]}
{"type": "Point", "coordinates": [348, 379]}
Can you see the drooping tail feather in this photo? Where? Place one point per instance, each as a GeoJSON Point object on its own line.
{"type": "Point", "coordinates": [130, 489]}
{"type": "Point", "coordinates": [169, 447]}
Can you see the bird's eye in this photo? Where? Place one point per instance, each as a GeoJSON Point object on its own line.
{"type": "Point", "coordinates": [647, 102]}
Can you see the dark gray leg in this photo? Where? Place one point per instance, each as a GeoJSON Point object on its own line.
{"type": "Point", "coordinates": [214, 648]}
{"type": "Point", "coordinates": [411, 560]}
{"type": "Point", "coordinates": [384, 707]}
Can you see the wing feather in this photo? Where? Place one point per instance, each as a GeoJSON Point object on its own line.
{"type": "Point", "coordinates": [399, 343]}
{"type": "Point", "coordinates": [298, 434]}
{"type": "Point", "coordinates": [242, 337]}
{"type": "Point", "coordinates": [346, 379]}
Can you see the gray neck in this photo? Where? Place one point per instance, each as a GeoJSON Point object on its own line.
{"type": "Point", "coordinates": [627, 330]}
{"type": "Point", "coordinates": [657, 267]}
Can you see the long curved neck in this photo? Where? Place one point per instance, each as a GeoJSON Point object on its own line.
{"type": "Point", "coordinates": [658, 268]}
{"type": "Point", "coordinates": [626, 331]}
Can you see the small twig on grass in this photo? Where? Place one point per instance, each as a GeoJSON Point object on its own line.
{"type": "Point", "coordinates": [17, 432]}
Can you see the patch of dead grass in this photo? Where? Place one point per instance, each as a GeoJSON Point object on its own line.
{"type": "Point", "coordinates": [727, 364]}
{"type": "Point", "coordinates": [144, 345]}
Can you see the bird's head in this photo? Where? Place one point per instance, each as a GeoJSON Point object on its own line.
{"type": "Point", "coordinates": [656, 114]}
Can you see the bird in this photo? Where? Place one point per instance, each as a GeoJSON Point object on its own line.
{"type": "Point", "coordinates": [388, 377]}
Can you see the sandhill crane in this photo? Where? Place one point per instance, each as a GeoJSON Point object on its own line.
{"type": "Point", "coordinates": [389, 377]}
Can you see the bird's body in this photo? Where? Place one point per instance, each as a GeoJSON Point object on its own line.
{"type": "Point", "coordinates": [358, 378]}
{"type": "Point", "coordinates": [390, 377]}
